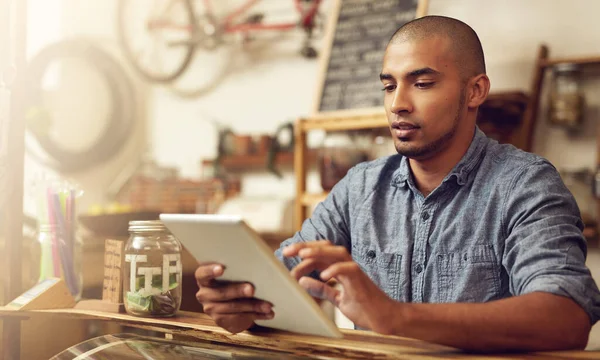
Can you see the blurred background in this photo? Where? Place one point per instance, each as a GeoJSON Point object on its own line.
{"type": "Point", "coordinates": [145, 107]}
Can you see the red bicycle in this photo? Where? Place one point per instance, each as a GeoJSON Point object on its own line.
{"type": "Point", "coordinates": [161, 37]}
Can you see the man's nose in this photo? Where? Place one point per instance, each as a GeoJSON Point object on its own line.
{"type": "Point", "coordinates": [401, 102]}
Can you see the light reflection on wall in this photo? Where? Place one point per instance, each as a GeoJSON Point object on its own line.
{"type": "Point", "coordinates": [43, 24]}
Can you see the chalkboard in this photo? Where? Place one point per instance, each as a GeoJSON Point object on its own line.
{"type": "Point", "coordinates": [359, 31]}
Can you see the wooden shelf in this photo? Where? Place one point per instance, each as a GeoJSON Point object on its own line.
{"type": "Point", "coordinates": [372, 118]}
{"type": "Point", "coordinates": [355, 344]}
{"type": "Point", "coordinates": [236, 163]}
{"type": "Point", "coordinates": [313, 199]}
{"type": "Point", "coordinates": [590, 60]}
{"type": "Point", "coordinates": [333, 123]}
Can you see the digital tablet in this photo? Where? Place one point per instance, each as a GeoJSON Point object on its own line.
{"type": "Point", "coordinates": [228, 240]}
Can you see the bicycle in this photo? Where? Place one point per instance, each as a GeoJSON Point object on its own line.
{"type": "Point", "coordinates": [179, 28]}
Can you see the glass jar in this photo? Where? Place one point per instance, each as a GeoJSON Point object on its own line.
{"type": "Point", "coordinates": [59, 251]}
{"type": "Point", "coordinates": [152, 273]}
{"type": "Point", "coordinates": [339, 153]}
{"type": "Point", "coordinates": [566, 105]}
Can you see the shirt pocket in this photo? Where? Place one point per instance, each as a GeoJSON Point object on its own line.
{"type": "Point", "coordinates": [469, 276]}
{"type": "Point", "coordinates": [382, 267]}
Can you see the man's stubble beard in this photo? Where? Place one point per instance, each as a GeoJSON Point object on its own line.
{"type": "Point", "coordinates": [439, 143]}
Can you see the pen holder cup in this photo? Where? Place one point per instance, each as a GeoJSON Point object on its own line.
{"type": "Point", "coordinates": [58, 246]}
{"type": "Point", "coordinates": [60, 256]}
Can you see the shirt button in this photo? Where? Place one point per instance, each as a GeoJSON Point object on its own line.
{"type": "Point", "coordinates": [419, 268]}
{"type": "Point", "coordinates": [425, 215]}
{"type": "Point", "coordinates": [371, 254]}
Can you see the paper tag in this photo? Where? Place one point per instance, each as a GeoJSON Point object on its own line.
{"type": "Point", "coordinates": [113, 271]}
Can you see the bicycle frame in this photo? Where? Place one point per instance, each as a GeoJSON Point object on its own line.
{"type": "Point", "coordinates": [307, 19]}
{"type": "Point", "coordinates": [228, 23]}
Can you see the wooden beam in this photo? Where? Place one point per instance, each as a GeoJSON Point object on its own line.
{"type": "Point", "coordinates": [422, 8]}
{"type": "Point", "coordinates": [530, 117]}
{"type": "Point", "coordinates": [12, 214]}
{"type": "Point", "coordinates": [300, 169]}
{"type": "Point", "coordinates": [330, 27]}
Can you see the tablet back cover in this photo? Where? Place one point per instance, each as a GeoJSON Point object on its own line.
{"type": "Point", "coordinates": [229, 241]}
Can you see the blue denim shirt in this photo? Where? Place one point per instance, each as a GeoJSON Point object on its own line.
{"type": "Point", "coordinates": [501, 224]}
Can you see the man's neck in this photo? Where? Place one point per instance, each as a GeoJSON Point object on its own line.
{"type": "Point", "coordinates": [429, 173]}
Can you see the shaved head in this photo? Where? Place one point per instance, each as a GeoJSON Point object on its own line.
{"type": "Point", "coordinates": [464, 42]}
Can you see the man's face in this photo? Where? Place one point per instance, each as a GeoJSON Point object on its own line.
{"type": "Point", "coordinates": [424, 97]}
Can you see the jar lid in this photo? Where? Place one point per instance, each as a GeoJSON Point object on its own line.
{"type": "Point", "coordinates": [147, 225]}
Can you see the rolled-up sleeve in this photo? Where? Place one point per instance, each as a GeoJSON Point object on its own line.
{"type": "Point", "coordinates": [545, 249]}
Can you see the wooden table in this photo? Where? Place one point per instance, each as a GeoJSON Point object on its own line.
{"type": "Point", "coordinates": [354, 345]}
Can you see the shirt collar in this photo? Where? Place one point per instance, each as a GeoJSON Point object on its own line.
{"type": "Point", "coordinates": [461, 171]}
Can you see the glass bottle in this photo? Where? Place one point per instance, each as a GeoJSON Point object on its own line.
{"type": "Point", "coordinates": [566, 105]}
{"type": "Point", "coordinates": [60, 256]}
{"type": "Point", "coordinates": [152, 273]}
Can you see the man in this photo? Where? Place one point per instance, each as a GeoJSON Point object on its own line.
{"type": "Point", "coordinates": [456, 240]}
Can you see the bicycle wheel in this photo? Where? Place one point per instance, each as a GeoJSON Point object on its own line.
{"type": "Point", "coordinates": [214, 54]}
{"type": "Point", "coordinates": [157, 37]}
{"type": "Point", "coordinates": [43, 77]}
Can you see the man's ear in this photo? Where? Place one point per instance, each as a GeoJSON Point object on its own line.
{"type": "Point", "coordinates": [479, 88]}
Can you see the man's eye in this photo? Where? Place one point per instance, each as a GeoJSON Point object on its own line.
{"type": "Point", "coordinates": [389, 88]}
{"type": "Point", "coordinates": [424, 85]}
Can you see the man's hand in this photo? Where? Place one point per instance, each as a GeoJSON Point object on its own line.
{"type": "Point", "coordinates": [231, 305]}
{"type": "Point", "coordinates": [360, 299]}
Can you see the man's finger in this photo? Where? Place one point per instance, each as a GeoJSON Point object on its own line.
{"type": "Point", "coordinates": [205, 273]}
{"type": "Point", "coordinates": [238, 306]}
{"type": "Point", "coordinates": [339, 269]}
{"type": "Point", "coordinates": [292, 250]}
{"type": "Point", "coordinates": [236, 323]}
{"type": "Point", "coordinates": [225, 292]}
{"type": "Point", "coordinates": [319, 289]}
{"type": "Point", "coordinates": [305, 267]}
{"type": "Point", "coordinates": [329, 254]}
